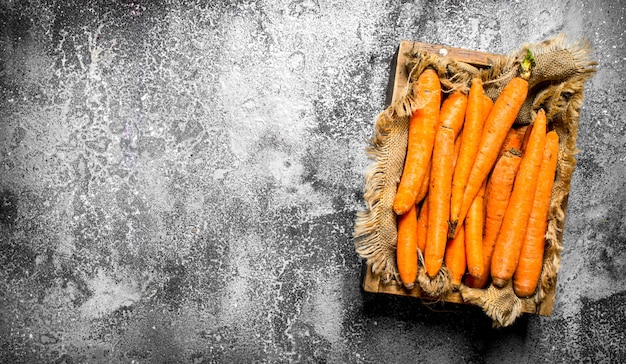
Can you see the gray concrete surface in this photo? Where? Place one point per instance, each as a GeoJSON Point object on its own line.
{"type": "Point", "coordinates": [178, 183]}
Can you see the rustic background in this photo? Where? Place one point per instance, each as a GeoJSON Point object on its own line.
{"type": "Point", "coordinates": [179, 182]}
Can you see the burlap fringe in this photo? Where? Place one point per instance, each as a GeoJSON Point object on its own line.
{"type": "Point", "coordinates": [556, 85]}
{"type": "Point", "coordinates": [500, 304]}
{"type": "Point", "coordinates": [438, 286]}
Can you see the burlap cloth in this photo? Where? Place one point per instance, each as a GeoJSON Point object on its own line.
{"type": "Point", "coordinates": [556, 85]}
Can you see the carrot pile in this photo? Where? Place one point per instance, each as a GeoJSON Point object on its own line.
{"type": "Point", "coordinates": [475, 190]}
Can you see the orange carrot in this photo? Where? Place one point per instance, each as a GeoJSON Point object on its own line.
{"type": "Point", "coordinates": [473, 127]}
{"type": "Point", "coordinates": [441, 182]}
{"type": "Point", "coordinates": [406, 250]}
{"type": "Point", "coordinates": [453, 115]}
{"type": "Point", "coordinates": [497, 194]}
{"type": "Point", "coordinates": [496, 127]}
{"type": "Point", "coordinates": [422, 226]}
{"type": "Point", "coordinates": [509, 242]}
{"type": "Point", "coordinates": [424, 188]}
{"type": "Point", "coordinates": [531, 258]}
{"type": "Point", "coordinates": [422, 129]}
{"type": "Point", "coordinates": [474, 235]}
{"type": "Point", "coordinates": [455, 257]}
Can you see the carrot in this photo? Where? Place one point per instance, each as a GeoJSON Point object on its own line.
{"type": "Point", "coordinates": [496, 127]}
{"type": "Point", "coordinates": [474, 235]}
{"type": "Point", "coordinates": [452, 112]}
{"type": "Point", "coordinates": [406, 250]}
{"type": "Point", "coordinates": [455, 258]}
{"type": "Point", "coordinates": [509, 242]}
{"type": "Point", "coordinates": [452, 109]}
{"type": "Point", "coordinates": [422, 218]}
{"type": "Point", "coordinates": [422, 130]}
{"type": "Point", "coordinates": [422, 226]}
{"type": "Point", "coordinates": [497, 193]}
{"type": "Point", "coordinates": [531, 258]}
{"type": "Point", "coordinates": [473, 127]}
{"type": "Point", "coordinates": [424, 188]}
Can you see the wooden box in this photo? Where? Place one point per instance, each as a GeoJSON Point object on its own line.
{"type": "Point", "coordinates": [398, 80]}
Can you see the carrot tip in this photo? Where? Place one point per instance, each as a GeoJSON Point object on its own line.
{"type": "Point", "coordinates": [523, 294]}
{"type": "Point", "coordinates": [524, 291]}
{"type": "Point", "coordinates": [434, 286]}
{"type": "Point", "coordinates": [401, 209]}
{"type": "Point", "coordinates": [499, 282]}
{"type": "Point", "coordinates": [409, 286]}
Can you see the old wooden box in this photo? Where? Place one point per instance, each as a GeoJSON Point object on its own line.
{"type": "Point", "coordinates": [398, 79]}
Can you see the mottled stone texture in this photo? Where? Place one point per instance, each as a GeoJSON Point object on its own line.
{"type": "Point", "coordinates": [179, 181]}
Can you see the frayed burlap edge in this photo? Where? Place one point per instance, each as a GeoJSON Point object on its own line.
{"type": "Point", "coordinates": [500, 304]}
{"type": "Point", "coordinates": [437, 286]}
{"type": "Point", "coordinates": [559, 93]}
